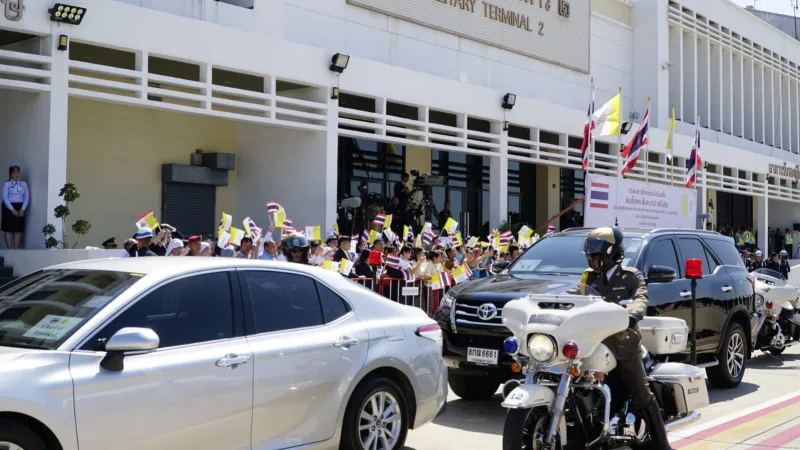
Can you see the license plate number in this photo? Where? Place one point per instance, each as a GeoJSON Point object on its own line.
{"type": "Point", "coordinates": [482, 356]}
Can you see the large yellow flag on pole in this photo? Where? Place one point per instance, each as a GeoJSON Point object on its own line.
{"type": "Point", "coordinates": [607, 118]}
{"type": "Point", "coordinates": [670, 135]}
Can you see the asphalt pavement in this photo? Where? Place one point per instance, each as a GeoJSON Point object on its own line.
{"type": "Point", "coordinates": [763, 412]}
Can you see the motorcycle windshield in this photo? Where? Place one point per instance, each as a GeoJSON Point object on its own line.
{"type": "Point", "coordinates": [779, 279]}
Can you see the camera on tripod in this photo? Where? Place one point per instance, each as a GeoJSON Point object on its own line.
{"type": "Point", "coordinates": [426, 179]}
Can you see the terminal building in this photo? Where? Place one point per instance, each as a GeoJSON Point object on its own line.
{"type": "Point", "coordinates": [142, 103]}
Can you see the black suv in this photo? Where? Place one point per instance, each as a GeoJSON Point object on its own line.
{"type": "Point", "coordinates": [470, 313]}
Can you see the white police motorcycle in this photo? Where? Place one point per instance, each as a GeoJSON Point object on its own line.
{"type": "Point", "coordinates": [565, 400]}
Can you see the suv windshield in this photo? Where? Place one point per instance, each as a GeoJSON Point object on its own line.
{"type": "Point", "coordinates": [564, 255]}
{"type": "Point", "coordinates": [43, 309]}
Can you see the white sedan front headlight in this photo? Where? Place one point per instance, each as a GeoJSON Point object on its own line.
{"type": "Point", "coordinates": [541, 348]}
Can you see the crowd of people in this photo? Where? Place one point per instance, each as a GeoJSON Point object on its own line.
{"type": "Point", "coordinates": [441, 257]}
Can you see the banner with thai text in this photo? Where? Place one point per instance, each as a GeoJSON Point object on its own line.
{"type": "Point", "coordinates": [635, 204]}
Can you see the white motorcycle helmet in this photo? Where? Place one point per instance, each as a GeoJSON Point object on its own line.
{"type": "Point", "coordinates": [784, 253]}
{"type": "Point", "coordinates": [758, 253]}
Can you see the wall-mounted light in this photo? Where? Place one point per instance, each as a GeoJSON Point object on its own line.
{"type": "Point", "coordinates": [72, 15]}
{"type": "Point", "coordinates": [626, 127]}
{"type": "Point", "coordinates": [335, 93]}
{"type": "Point", "coordinates": [505, 125]}
{"type": "Point", "coordinates": [339, 63]}
{"type": "Point", "coordinates": [509, 100]}
{"type": "Point", "coordinates": [63, 42]}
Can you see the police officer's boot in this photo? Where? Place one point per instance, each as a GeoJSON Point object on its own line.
{"type": "Point", "coordinates": [655, 424]}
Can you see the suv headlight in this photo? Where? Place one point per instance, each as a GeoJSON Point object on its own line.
{"type": "Point", "coordinates": [448, 300]}
{"type": "Point", "coordinates": [541, 347]}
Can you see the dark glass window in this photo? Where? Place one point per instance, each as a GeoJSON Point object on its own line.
{"type": "Point", "coordinates": [662, 253]}
{"type": "Point", "coordinates": [333, 307]}
{"type": "Point", "coordinates": [283, 301]}
{"type": "Point", "coordinates": [726, 252]}
{"type": "Point", "coordinates": [693, 249]}
{"type": "Point", "coordinates": [185, 311]}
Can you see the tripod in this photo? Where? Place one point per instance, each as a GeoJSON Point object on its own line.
{"type": "Point", "coordinates": [428, 211]}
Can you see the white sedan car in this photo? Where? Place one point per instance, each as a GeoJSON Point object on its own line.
{"type": "Point", "coordinates": [210, 353]}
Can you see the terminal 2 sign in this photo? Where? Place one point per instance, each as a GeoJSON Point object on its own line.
{"type": "Point", "coordinates": [556, 31]}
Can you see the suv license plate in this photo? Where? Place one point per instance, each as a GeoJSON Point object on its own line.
{"type": "Point", "coordinates": [482, 356]}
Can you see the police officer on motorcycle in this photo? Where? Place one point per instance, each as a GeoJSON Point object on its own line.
{"type": "Point", "coordinates": [604, 251]}
{"type": "Point", "coordinates": [296, 249]}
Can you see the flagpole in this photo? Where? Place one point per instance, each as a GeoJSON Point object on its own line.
{"type": "Point", "coordinates": [619, 159]}
{"type": "Point", "coordinates": [705, 187]}
{"type": "Point", "coordinates": [647, 146]}
{"type": "Point", "coordinates": [671, 151]}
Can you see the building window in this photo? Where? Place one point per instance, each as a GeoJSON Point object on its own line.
{"type": "Point", "coordinates": [369, 168]}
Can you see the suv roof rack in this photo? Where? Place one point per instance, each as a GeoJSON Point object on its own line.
{"type": "Point", "coordinates": [683, 230]}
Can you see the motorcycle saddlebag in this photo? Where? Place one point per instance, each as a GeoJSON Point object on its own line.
{"type": "Point", "coordinates": [664, 335]}
{"type": "Point", "coordinates": [689, 385]}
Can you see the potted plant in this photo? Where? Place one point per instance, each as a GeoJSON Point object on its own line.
{"type": "Point", "coordinates": [69, 193]}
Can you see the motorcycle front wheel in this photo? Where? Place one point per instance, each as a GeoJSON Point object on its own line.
{"type": "Point", "coordinates": [525, 429]}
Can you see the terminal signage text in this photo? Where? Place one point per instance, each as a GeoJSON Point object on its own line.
{"type": "Point", "coordinates": [556, 31]}
{"type": "Point", "coordinates": [783, 171]}
{"type": "Point", "coordinates": [13, 9]}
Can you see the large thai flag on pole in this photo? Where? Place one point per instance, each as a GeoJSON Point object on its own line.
{"type": "Point", "coordinates": [695, 161]}
{"type": "Point", "coordinates": [588, 129]}
{"type": "Point", "coordinates": [639, 141]}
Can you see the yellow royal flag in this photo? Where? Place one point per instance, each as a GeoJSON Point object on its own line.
{"type": "Point", "coordinates": [147, 220]}
{"type": "Point", "coordinates": [607, 118]}
{"type": "Point", "coordinates": [280, 217]}
{"type": "Point", "coordinates": [313, 233]}
{"type": "Point", "coordinates": [671, 135]}
{"type": "Point", "coordinates": [226, 221]}
{"type": "Point", "coordinates": [336, 228]}
{"type": "Point", "coordinates": [459, 240]}
{"type": "Point", "coordinates": [419, 241]}
{"type": "Point", "coordinates": [372, 236]}
{"type": "Point", "coordinates": [405, 233]}
{"type": "Point", "coordinates": [484, 244]}
{"type": "Point", "coordinates": [436, 282]}
{"type": "Point", "coordinates": [450, 225]}
{"type": "Point", "coordinates": [387, 222]}
{"type": "Point", "coordinates": [525, 233]}
{"type": "Point", "coordinates": [236, 235]}
{"type": "Point", "coordinates": [330, 265]}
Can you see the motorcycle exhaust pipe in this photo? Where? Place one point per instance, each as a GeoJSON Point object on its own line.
{"type": "Point", "coordinates": [509, 386]}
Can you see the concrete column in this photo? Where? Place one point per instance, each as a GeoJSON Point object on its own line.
{"type": "Point", "coordinates": [331, 163]}
{"type": "Point", "coordinates": [56, 157]}
{"type": "Point", "coordinates": [498, 180]}
{"type": "Point", "coordinates": [763, 219]}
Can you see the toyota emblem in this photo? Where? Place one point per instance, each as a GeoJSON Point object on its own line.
{"type": "Point", "coordinates": [487, 311]}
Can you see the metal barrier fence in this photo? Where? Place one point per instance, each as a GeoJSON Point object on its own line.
{"type": "Point", "coordinates": [413, 293]}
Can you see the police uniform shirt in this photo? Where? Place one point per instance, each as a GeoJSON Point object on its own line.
{"type": "Point", "coordinates": [16, 192]}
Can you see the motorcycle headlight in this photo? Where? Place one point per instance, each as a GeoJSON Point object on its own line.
{"type": "Point", "coordinates": [541, 348]}
{"type": "Point", "coordinates": [448, 300]}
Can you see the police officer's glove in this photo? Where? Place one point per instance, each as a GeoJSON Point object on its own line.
{"type": "Point", "coordinates": [633, 318]}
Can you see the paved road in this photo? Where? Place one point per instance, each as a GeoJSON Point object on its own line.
{"type": "Point", "coordinates": [762, 413]}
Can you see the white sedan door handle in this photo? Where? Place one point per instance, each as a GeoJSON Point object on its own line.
{"type": "Point", "coordinates": [345, 342]}
{"type": "Point", "coordinates": [726, 288]}
{"type": "Point", "coordinates": [231, 361]}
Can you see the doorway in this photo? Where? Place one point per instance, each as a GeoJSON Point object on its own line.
{"type": "Point", "coordinates": [466, 186]}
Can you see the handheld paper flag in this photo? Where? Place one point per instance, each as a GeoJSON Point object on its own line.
{"type": "Point", "coordinates": [460, 274]}
{"type": "Point", "coordinates": [375, 259]}
{"type": "Point", "coordinates": [251, 229]}
{"type": "Point", "coordinates": [393, 261]}
{"type": "Point", "coordinates": [273, 207]}
{"type": "Point", "coordinates": [236, 235]}
{"type": "Point", "coordinates": [451, 225]}
{"type": "Point", "coordinates": [330, 265]}
{"type": "Point", "coordinates": [346, 266]}
{"type": "Point", "coordinates": [226, 222]}
{"type": "Point", "coordinates": [223, 238]}
{"type": "Point", "coordinates": [388, 221]}
{"type": "Point", "coordinates": [147, 220]}
{"type": "Point", "coordinates": [313, 233]}
{"type": "Point", "coordinates": [372, 236]}
{"type": "Point", "coordinates": [380, 219]}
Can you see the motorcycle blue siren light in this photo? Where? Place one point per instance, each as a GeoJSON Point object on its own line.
{"type": "Point", "coordinates": [511, 346]}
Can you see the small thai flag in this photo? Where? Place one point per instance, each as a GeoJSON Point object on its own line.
{"type": "Point", "coordinates": [410, 234]}
{"type": "Point", "coordinates": [446, 279]}
{"type": "Point", "coordinates": [550, 230]}
{"type": "Point", "coordinates": [393, 261]}
{"type": "Point", "coordinates": [427, 238]}
{"type": "Point", "coordinates": [287, 222]}
{"type": "Point", "coordinates": [380, 219]}
{"type": "Point", "coordinates": [507, 235]}
{"type": "Point", "coordinates": [273, 207]}
{"type": "Point", "coordinates": [598, 198]}
{"type": "Point", "coordinates": [408, 276]}
{"type": "Point", "coordinates": [288, 230]}
{"type": "Point", "coordinates": [365, 236]}
{"type": "Point", "coordinates": [469, 272]}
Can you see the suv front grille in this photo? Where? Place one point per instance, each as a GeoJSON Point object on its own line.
{"type": "Point", "coordinates": [467, 314]}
